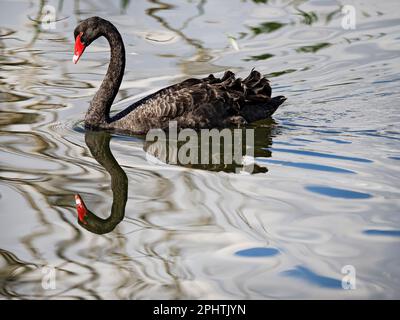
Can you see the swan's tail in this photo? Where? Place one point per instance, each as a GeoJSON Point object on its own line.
{"type": "Point", "coordinates": [251, 96]}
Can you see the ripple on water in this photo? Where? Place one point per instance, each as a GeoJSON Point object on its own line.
{"type": "Point", "coordinates": [311, 277]}
{"type": "Point", "coordinates": [257, 252]}
{"type": "Point", "coordinates": [320, 155]}
{"type": "Point", "coordinates": [307, 166]}
{"type": "Point", "coordinates": [250, 251]}
{"type": "Point", "coordinates": [337, 193]}
{"type": "Point", "coordinates": [385, 233]}
{"type": "Point", "coordinates": [299, 234]}
{"type": "Point", "coordinates": [11, 97]}
{"type": "Point", "coordinates": [312, 34]}
{"type": "Point", "coordinates": [223, 235]}
{"type": "Point", "coordinates": [337, 250]}
{"type": "Point", "coordinates": [68, 84]}
{"type": "Point", "coordinates": [338, 141]}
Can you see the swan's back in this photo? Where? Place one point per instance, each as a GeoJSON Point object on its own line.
{"type": "Point", "coordinates": [203, 103]}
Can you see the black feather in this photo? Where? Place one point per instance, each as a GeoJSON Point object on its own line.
{"type": "Point", "coordinates": [203, 103]}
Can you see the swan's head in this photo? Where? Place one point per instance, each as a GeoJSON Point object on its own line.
{"type": "Point", "coordinates": [86, 218]}
{"type": "Point", "coordinates": [85, 33]}
{"type": "Point", "coordinates": [81, 210]}
{"type": "Point", "coordinates": [89, 221]}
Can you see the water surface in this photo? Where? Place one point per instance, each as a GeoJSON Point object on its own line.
{"type": "Point", "coordinates": [326, 195]}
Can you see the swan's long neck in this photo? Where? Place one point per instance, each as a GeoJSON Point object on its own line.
{"type": "Point", "coordinates": [99, 110]}
{"type": "Point", "coordinates": [99, 145]}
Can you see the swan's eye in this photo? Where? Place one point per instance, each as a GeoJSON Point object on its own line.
{"type": "Point", "coordinates": [83, 39]}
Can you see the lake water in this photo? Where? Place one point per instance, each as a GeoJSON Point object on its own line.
{"type": "Point", "coordinates": [327, 201]}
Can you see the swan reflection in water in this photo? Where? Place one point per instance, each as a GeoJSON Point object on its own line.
{"type": "Point", "coordinates": [98, 143]}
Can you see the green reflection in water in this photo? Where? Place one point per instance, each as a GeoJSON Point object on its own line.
{"type": "Point", "coordinates": [313, 48]}
{"type": "Point", "coordinates": [266, 27]}
{"type": "Point", "coordinates": [264, 56]}
{"type": "Point", "coordinates": [279, 73]}
{"type": "Point", "coordinates": [308, 17]}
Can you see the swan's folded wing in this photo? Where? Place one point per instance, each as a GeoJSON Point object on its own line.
{"type": "Point", "coordinates": [200, 103]}
{"type": "Point", "coordinates": [156, 110]}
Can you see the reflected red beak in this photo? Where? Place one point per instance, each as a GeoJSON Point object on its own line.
{"type": "Point", "coordinates": [80, 208]}
{"type": "Point", "coordinates": [79, 48]}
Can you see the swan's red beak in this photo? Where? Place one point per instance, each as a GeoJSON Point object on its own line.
{"type": "Point", "coordinates": [79, 48]}
{"type": "Point", "coordinates": [81, 209]}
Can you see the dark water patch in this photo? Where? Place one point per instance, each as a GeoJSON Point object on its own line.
{"type": "Point", "coordinates": [394, 158]}
{"type": "Point", "coordinates": [308, 166]}
{"type": "Point", "coordinates": [311, 277]}
{"type": "Point", "coordinates": [11, 61]}
{"type": "Point", "coordinates": [332, 15]}
{"type": "Point", "coordinates": [393, 132]}
{"type": "Point", "coordinates": [385, 94]}
{"type": "Point", "coordinates": [308, 18]}
{"type": "Point", "coordinates": [257, 252]}
{"type": "Point", "coordinates": [313, 48]}
{"type": "Point", "coordinates": [328, 131]}
{"type": "Point", "coordinates": [337, 193]}
{"type": "Point", "coordinates": [304, 140]}
{"type": "Point", "coordinates": [386, 233]}
{"type": "Point", "coordinates": [339, 84]}
{"type": "Point", "coordinates": [11, 97]}
{"type": "Point", "coordinates": [68, 84]}
{"type": "Point", "coordinates": [7, 118]}
{"type": "Point", "coordinates": [288, 144]}
{"type": "Point", "coordinates": [337, 141]}
{"type": "Point", "coordinates": [279, 73]}
{"type": "Point", "coordinates": [264, 56]}
{"type": "Point", "coordinates": [276, 88]}
{"type": "Point", "coordinates": [299, 90]}
{"type": "Point", "coordinates": [385, 81]}
{"type": "Point", "coordinates": [4, 32]}
{"type": "Point", "coordinates": [321, 155]}
{"type": "Point", "coordinates": [266, 27]}
{"type": "Point", "coordinates": [363, 131]}
{"type": "Point", "coordinates": [381, 136]}
{"type": "Point", "coordinates": [122, 137]}
{"type": "Point", "coordinates": [377, 133]}
{"type": "Point", "coordinates": [79, 127]}
{"type": "Point", "coordinates": [46, 106]}
{"type": "Point", "coordinates": [289, 123]}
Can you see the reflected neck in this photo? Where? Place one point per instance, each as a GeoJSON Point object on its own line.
{"type": "Point", "coordinates": [98, 113]}
{"type": "Point", "coordinates": [99, 145]}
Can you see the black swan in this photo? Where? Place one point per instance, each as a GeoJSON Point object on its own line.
{"type": "Point", "coordinates": [194, 103]}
